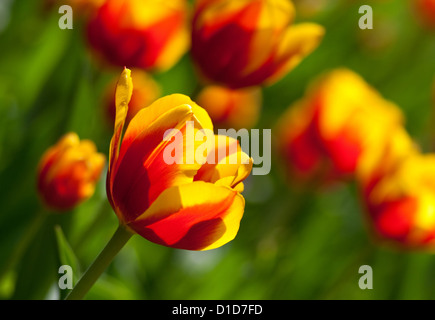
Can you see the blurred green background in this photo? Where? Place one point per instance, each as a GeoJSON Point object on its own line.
{"type": "Point", "coordinates": [291, 245]}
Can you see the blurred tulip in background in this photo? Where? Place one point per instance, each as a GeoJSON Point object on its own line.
{"type": "Point", "coordinates": [401, 205]}
{"type": "Point", "coordinates": [335, 128]}
{"type": "Point", "coordinates": [147, 34]}
{"type": "Point", "coordinates": [68, 172]}
{"type": "Point", "coordinates": [247, 43]}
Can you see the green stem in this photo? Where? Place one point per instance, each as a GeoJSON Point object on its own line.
{"type": "Point", "coordinates": [119, 239]}
{"type": "Point", "coordinates": [24, 243]}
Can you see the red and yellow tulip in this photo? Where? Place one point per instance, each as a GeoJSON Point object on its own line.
{"type": "Point", "coordinates": [401, 205]}
{"type": "Point", "coordinates": [231, 108]}
{"type": "Point", "coordinates": [240, 43]}
{"type": "Point", "coordinates": [338, 130]}
{"type": "Point", "coordinates": [147, 34]}
{"type": "Point", "coordinates": [68, 172]}
{"type": "Point", "coordinates": [194, 206]}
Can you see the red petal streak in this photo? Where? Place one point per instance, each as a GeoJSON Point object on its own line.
{"type": "Point", "coordinates": [142, 173]}
{"type": "Point", "coordinates": [394, 219]}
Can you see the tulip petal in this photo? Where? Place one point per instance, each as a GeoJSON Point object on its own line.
{"type": "Point", "coordinates": [227, 160]}
{"type": "Point", "coordinates": [52, 156]}
{"type": "Point", "coordinates": [395, 218]}
{"type": "Point", "coordinates": [124, 90]}
{"type": "Point", "coordinates": [275, 17]}
{"type": "Point", "coordinates": [195, 216]}
{"type": "Point", "coordinates": [298, 42]}
{"type": "Point", "coordinates": [141, 173]}
{"type": "Point", "coordinates": [148, 115]}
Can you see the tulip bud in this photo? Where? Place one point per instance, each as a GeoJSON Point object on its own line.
{"type": "Point", "coordinates": [231, 108]}
{"type": "Point", "coordinates": [145, 91]}
{"type": "Point", "coordinates": [68, 172]}
{"type": "Point", "coordinates": [333, 131]}
{"type": "Point", "coordinates": [147, 34]}
{"type": "Point", "coordinates": [401, 205]}
{"type": "Point", "coordinates": [248, 43]}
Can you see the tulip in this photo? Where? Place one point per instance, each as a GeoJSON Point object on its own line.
{"type": "Point", "coordinates": [147, 34]}
{"type": "Point", "coordinates": [401, 205]}
{"type": "Point", "coordinates": [165, 203]}
{"type": "Point", "coordinates": [248, 43]}
{"type": "Point", "coordinates": [231, 108]}
{"type": "Point", "coordinates": [145, 91]}
{"type": "Point", "coordinates": [335, 131]}
{"type": "Point", "coordinates": [68, 172]}
{"type": "Point", "coordinates": [192, 206]}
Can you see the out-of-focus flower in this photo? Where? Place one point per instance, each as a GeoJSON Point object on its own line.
{"type": "Point", "coordinates": [68, 172]}
{"type": "Point", "coordinates": [239, 43]}
{"type": "Point", "coordinates": [401, 205]}
{"type": "Point", "coordinates": [147, 34]}
{"type": "Point", "coordinates": [193, 206]}
{"type": "Point", "coordinates": [337, 130]}
{"type": "Point", "coordinates": [231, 108]}
{"type": "Point", "coordinates": [425, 12]}
{"type": "Point", "coordinates": [145, 91]}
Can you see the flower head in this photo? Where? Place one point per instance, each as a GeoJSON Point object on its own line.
{"type": "Point", "coordinates": [68, 172]}
{"type": "Point", "coordinates": [247, 43]}
{"type": "Point", "coordinates": [401, 205]}
{"type": "Point", "coordinates": [338, 130]}
{"type": "Point", "coordinates": [147, 34]}
{"type": "Point", "coordinates": [189, 205]}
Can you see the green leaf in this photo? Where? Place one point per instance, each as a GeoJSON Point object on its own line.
{"type": "Point", "coordinates": [66, 256]}
{"type": "Point", "coordinates": [37, 270]}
